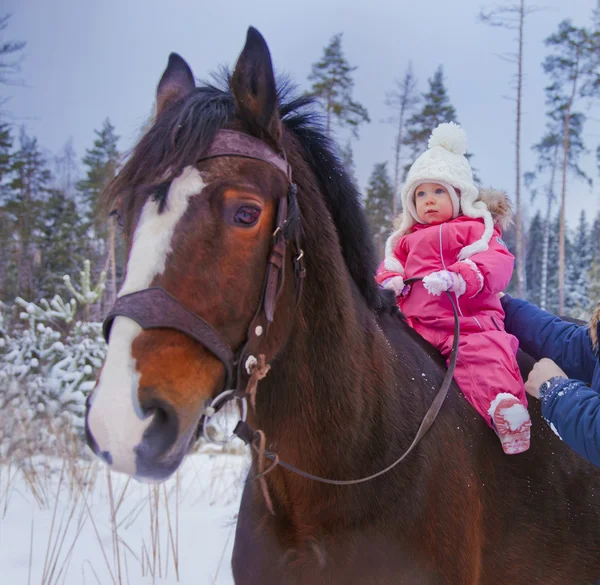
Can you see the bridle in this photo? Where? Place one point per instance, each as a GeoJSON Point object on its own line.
{"type": "Point", "coordinates": [154, 307]}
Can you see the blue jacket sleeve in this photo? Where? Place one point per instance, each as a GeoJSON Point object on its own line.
{"type": "Point", "coordinates": [573, 411]}
{"type": "Point", "coordinates": [541, 334]}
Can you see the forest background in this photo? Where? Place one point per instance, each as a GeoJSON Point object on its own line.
{"type": "Point", "coordinates": [76, 92]}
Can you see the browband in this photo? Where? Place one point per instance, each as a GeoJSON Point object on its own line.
{"type": "Point", "coordinates": [232, 143]}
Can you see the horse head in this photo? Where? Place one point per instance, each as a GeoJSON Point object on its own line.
{"type": "Point", "coordinates": [207, 207]}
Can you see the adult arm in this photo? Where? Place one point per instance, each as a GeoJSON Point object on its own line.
{"type": "Point", "coordinates": [543, 335]}
{"type": "Point", "coordinates": [572, 410]}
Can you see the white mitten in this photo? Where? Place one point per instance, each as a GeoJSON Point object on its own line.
{"type": "Point", "coordinates": [395, 283]}
{"type": "Point", "coordinates": [444, 280]}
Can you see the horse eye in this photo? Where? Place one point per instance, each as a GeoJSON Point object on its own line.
{"type": "Point", "coordinates": [247, 215]}
{"type": "Point", "coordinates": [115, 213]}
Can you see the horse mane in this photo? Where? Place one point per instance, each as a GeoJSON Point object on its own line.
{"type": "Point", "coordinates": [176, 140]}
{"type": "Point", "coordinates": [338, 189]}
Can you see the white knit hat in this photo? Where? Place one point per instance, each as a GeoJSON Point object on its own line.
{"type": "Point", "coordinates": [445, 163]}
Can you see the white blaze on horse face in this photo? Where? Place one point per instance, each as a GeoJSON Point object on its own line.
{"type": "Point", "coordinates": [115, 418]}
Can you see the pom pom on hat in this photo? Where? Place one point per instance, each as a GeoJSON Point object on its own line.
{"type": "Point", "coordinates": [451, 136]}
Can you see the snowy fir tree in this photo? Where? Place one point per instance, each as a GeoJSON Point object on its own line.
{"type": "Point", "coordinates": [509, 237]}
{"type": "Point", "coordinates": [572, 67]}
{"type": "Point", "coordinates": [594, 272]}
{"type": "Point", "coordinates": [579, 261]}
{"type": "Point", "coordinates": [552, 285]}
{"type": "Point", "coordinates": [48, 367]}
{"type": "Point", "coordinates": [85, 293]}
{"type": "Point", "coordinates": [595, 237]}
{"type": "Point", "coordinates": [6, 224]}
{"type": "Point", "coordinates": [534, 258]}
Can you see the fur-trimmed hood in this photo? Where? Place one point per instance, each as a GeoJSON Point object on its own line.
{"type": "Point", "coordinates": [496, 201]}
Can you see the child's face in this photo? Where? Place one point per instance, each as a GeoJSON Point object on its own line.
{"type": "Point", "coordinates": [433, 203]}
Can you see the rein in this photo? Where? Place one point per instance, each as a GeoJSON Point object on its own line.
{"type": "Point", "coordinates": [245, 432]}
{"type": "Point", "coordinates": [154, 307]}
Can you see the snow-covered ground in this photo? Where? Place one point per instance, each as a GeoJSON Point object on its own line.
{"type": "Point", "coordinates": [57, 524]}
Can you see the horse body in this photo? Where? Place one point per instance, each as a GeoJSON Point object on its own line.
{"type": "Point", "coordinates": [349, 383]}
{"type": "Point", "coordinates": [459, 511]}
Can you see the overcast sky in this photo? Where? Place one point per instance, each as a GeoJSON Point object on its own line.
{"type": "Point", "coordinates": [86, 61]}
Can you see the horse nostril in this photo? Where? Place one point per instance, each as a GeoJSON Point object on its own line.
{"type": "Point", "coordinates": [163, 430]}
{"type": "Point", "coordinates": [160, 415]}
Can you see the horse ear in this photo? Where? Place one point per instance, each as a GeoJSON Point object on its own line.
{"type": "Point", "coordinates": [176, 82]}
{"type": "Point", "coordinates": [254, 90]}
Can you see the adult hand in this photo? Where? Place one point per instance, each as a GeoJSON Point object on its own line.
{"type": "Point", "coordinates": [542, 371]}
{"type": "Point", "coordinates": [500, 294]}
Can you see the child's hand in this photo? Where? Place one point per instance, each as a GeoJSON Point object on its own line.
{"type": "Point", "coordinates": [395, 283]}
{"type": "Point", "coordinates": [444, 280]}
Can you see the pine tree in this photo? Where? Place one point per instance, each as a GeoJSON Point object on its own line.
{"type": "Point", "coordinates": [9, 53]}
{"type": "Point", "coordinates": [595, 237]}
{"type": "Point", "coordinates": [594, 284]}
{"type": "Point", "coordinates": [534, 258]}
{"type": "Point", "coordinates": [28, 191]}
{"type": "Point", "coordinates": [512, 17]}
{"type": "Point", "coordinates": [509, 238]}
{"type": "Point", "coordinates": [548, 150]}
{"type": "Point", "coordinates": [101, 165]}
{"type": "Point", "coordinates": [66, 171]}
{"type": "Point", "coordinates": [60, 240]}
{"type": "Point", "coordinates": [6, 231]}
{"type": "Point", "coordinates": [572, 67]}
{"type": "Point", "coordinates": [578, 267]}
{"type": "Point", "coordinates": [436, 109]}
{"type": "Point", "coordinates": [402, 100]}
{"type": "Point", "coordinates": [347, 156]}
{"type": "Point", "coordinates": [552, 295]}
{"type": "Point", "coordinates": [594, 272]}
{"type": "Point", "coordinates": [379, 204]}
{"type": "Point", "coordinates": [333, 86]}
{"type": "Point", "coordinates": [6, 144]}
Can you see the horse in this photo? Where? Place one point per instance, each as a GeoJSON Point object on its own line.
{"type": "Point", "coordinates": [250, 267]}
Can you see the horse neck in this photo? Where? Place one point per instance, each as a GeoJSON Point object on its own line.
{"type": "Point", "coordinates": [329, 405]}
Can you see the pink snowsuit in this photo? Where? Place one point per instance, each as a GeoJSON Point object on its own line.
{"type": "Point", "coordinates": [487, 362]}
